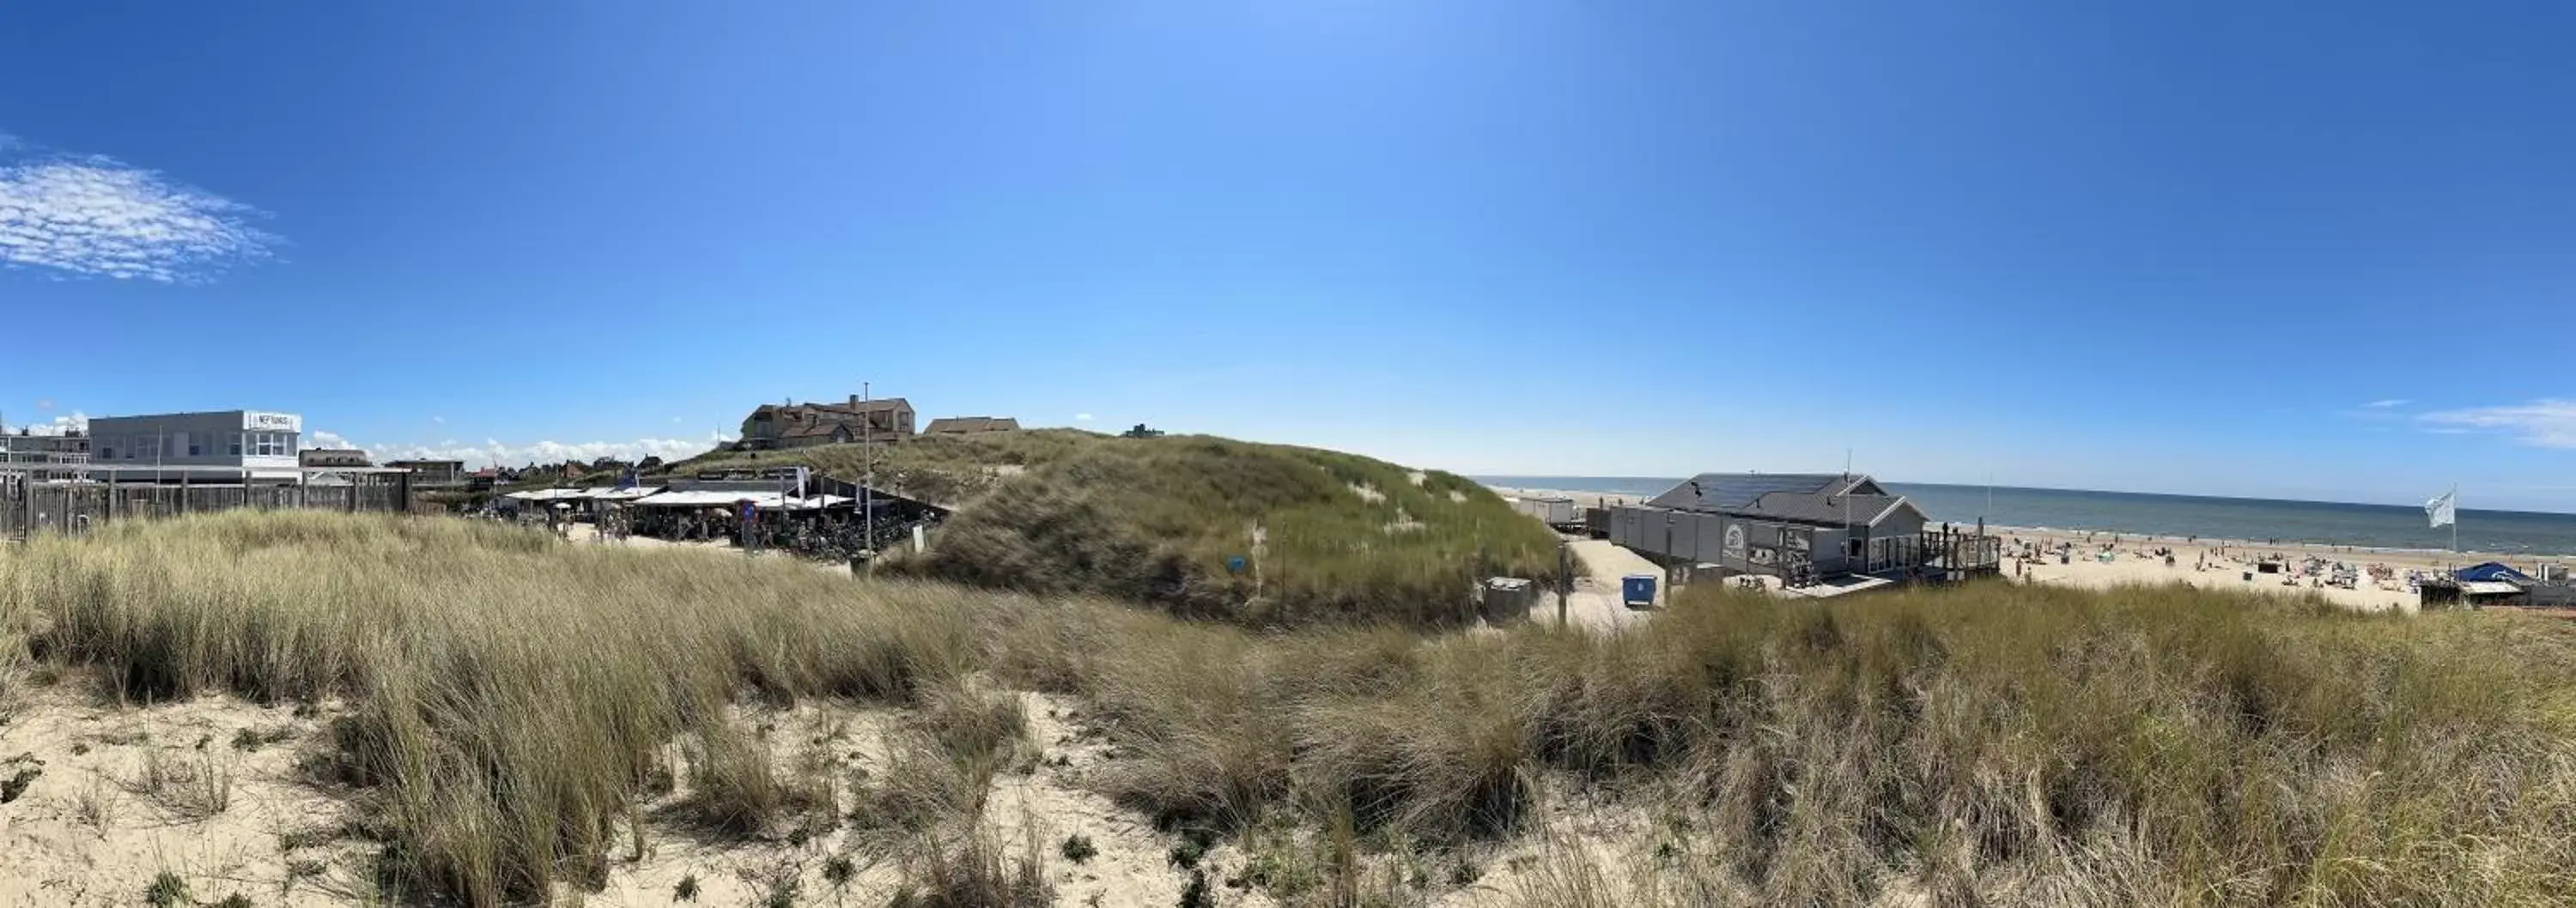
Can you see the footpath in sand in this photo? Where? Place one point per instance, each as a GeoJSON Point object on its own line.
{"type": "Point", "coordinates": [1595, 602]}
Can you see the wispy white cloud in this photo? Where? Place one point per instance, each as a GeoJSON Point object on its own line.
{"type": "Point", "coordinates": [1082, 417]}
{"type": "Point", "coordinates": [2540, 423]}
{"type": "Point", "coordinates": [441, 420]}
{"type": "Point", "coordinates": [2386, 404]}
{"type": "Point", "coordinates": [97, 216]}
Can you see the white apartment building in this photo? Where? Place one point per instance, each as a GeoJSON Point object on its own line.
{"type": "Point", "coordinates": [262, 443]}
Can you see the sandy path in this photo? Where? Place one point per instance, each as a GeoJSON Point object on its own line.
{"type": "Point", "coordinates": [1594, 602]}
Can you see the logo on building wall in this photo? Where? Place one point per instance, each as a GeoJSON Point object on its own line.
{"type": "Point", "coordinates": [1798, 541]}
{"type": "Point", "coordinates": [1735, 540]}
{"type": "Point", "coordinates": [273, 422]}
{"type": "Point", "coordinates": [1764, 555]}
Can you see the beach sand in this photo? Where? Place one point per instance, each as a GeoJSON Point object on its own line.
{"type": "Point", "coordinates": [2222, 564]}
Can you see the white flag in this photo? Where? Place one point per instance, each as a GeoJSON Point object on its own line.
{"type": "Point", "coordinates": [2444, 510]}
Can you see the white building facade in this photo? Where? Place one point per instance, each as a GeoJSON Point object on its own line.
{"type": "Point", "coordinates": [264, 443]}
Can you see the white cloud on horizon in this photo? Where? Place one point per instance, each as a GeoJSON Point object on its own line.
{"type": "Point", "coordinates": [2385, 404]}
{"type": "Point", "coordinates": [99, 217]}
{"type": "Point", "coordinates": [2541, 423]}
{"type": "Point", "coordinates": [1082, 417]}
{"type": "Point", "coordinates": [320, 439]}
{"type": "Point", "coordinates": [494, 452]}
{"type": "Point", "coordinates": [76, 421]}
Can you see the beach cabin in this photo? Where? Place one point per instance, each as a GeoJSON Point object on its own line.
{"type": "Point", "coordinates": [1555, 512]}
{"type": "Point", "coordinates": [1796, 526]}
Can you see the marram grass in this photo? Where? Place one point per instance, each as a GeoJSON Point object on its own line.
{"type": "Point", "coordinates": [510, 697]}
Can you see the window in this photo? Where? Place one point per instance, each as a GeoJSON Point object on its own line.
{"type": "Point", "coordinates": [272, 444]}
{"type": "Point", "coordinates": [107, 452]}
{"type": "Point", "coordinates": [235, 448]}
{"type": "Point", "coordinates": [197, 445]}
{"type": "Point", "coordinates": [146, 447]}
{"type": "Point", "coordinates": [180, 441]}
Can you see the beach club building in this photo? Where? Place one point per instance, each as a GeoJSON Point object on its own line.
{"type": "Point", "coordinates": [1819, 525]}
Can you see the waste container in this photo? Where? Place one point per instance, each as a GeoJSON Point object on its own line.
{"type": "Point", "coordinates": [1637, 590]}
{"type": "Point", "coordinates": [1507, 599]}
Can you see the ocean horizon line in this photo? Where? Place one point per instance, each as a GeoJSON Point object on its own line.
{"type": "Point", "coordinates": [2352, 524]}
{"type": "Point", "coordinates": [1505, 481]}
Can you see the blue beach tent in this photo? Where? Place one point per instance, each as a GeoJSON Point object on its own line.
{"type": "Point", "coordinates": [2493, 570]}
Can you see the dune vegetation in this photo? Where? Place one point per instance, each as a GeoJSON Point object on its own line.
{"type": "Point", "coordinates": [506, 702]}
{"type": "Point", "coordinates": [944, 469]}
{"type": "Point", "coordinates": [1170, 522]}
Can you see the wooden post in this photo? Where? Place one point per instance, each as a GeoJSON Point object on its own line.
{"type": "Point", "coordinates": [1564, 578]}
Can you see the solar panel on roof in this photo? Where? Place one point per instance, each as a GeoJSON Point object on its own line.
{"type": "Point", "coordinates": [1743, 490]}
{"type": "Point", "coordinates": [1720, 491]}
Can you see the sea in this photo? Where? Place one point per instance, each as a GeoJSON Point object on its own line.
{"type": "Point", "coordinates": [2362, 526]}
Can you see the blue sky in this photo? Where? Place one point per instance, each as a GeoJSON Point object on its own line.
{"type": "Point", "coordinates": [2228, 248]}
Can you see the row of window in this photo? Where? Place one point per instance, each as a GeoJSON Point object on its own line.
{"type": "Point", "coordinates": [194, 444]}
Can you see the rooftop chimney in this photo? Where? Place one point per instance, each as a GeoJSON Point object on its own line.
{"type": "Point", "coordinates": [854, 400]}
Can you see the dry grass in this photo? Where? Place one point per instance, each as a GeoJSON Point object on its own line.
{"type": "Point", "coordinates": [736, 787]}
{"type": "Point", "coordinates": [185, 786]}
{"type": "Point", "coordinates": [511, 699]}
{"type": "Point", "coordinates": [1990, 743]}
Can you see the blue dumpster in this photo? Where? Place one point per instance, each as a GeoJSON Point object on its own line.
{"type": "Point", "coordinates": [1637, 590]}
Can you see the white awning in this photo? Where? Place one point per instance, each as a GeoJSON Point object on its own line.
{"type": "Point", "coordinates": [704, 499]}
{"type": "Point", "coordinates": [2490, 588]}
{"type": "Point", "coordinates": [767, 501]}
